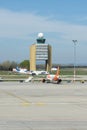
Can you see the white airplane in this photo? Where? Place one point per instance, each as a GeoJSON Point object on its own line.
{"type": "Point", "coordinates": [53, 69]}
{"type": "Point", "coordinates": [39, 72]}
{"type": "Point", "coordinates": [53, 78]}
{"type": "Point", "coordinates": [25, 71]}
{"type": "Point", "coordinates": [20, 70]}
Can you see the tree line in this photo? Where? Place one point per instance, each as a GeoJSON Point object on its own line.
{"type": "Point", "coordinates": [9, 65]}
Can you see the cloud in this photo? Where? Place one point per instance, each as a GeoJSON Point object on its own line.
{"type": "Point", "coordinates": [21, 25]}
{"type": "Point", "coordinates": [17, 31]}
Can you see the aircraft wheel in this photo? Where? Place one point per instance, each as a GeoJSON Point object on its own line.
{"type": "Point", "coordinates": [59, 80]}
{"type": "Point", "coordinates": [43, 80]}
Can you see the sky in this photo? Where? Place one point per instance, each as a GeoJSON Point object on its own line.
{"type": "Point", "coordinates": [61, 21]}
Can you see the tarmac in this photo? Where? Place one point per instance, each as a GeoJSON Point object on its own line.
{"type": "Point", "coordinates": [43, 106]}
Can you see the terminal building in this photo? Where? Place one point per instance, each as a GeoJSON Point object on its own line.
{"type": "Point", "coordinates": [40, 51]}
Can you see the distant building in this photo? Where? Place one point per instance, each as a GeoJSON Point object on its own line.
{"type": "Point", "coordinates": [40, 51]}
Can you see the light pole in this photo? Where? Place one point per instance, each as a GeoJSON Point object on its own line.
{"type": "Point", "coordinates": [74, 41]}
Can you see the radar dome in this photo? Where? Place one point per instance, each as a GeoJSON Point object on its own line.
{"type": "Point", "coordinates": [40, 35]}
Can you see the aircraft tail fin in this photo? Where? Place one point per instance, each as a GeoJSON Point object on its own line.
{"type": "Point", "coordinates": [58, 71]}
{"type": "Point", "coordinates": [17, 68]}
{"type": "Point", "coordinates": [57, 74]}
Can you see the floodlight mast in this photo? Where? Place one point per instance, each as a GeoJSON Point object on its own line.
{"type": "Point", "coordinates": [74, 41]}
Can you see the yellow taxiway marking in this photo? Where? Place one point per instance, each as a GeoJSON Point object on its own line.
{"type": "Point", "coordinates": [16, 96]}
{"type": "Point", "coordinates": [24, 101]}
{"type": "Point", "coordinates": [33, 103]}
{"type": "Point", "coordinates": [40, 103]}
{"type": "Point", "coordinates": [26, 104]}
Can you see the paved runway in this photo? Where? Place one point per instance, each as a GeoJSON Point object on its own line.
{"type": "Point", "coordinates": [42, 106]}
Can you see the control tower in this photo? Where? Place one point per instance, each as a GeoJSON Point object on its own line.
{"type": "Point", "coordinates": [40, 51]}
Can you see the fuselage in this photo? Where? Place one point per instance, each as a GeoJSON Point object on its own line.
{"type": "Point", "coordinates": [52, 77]}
